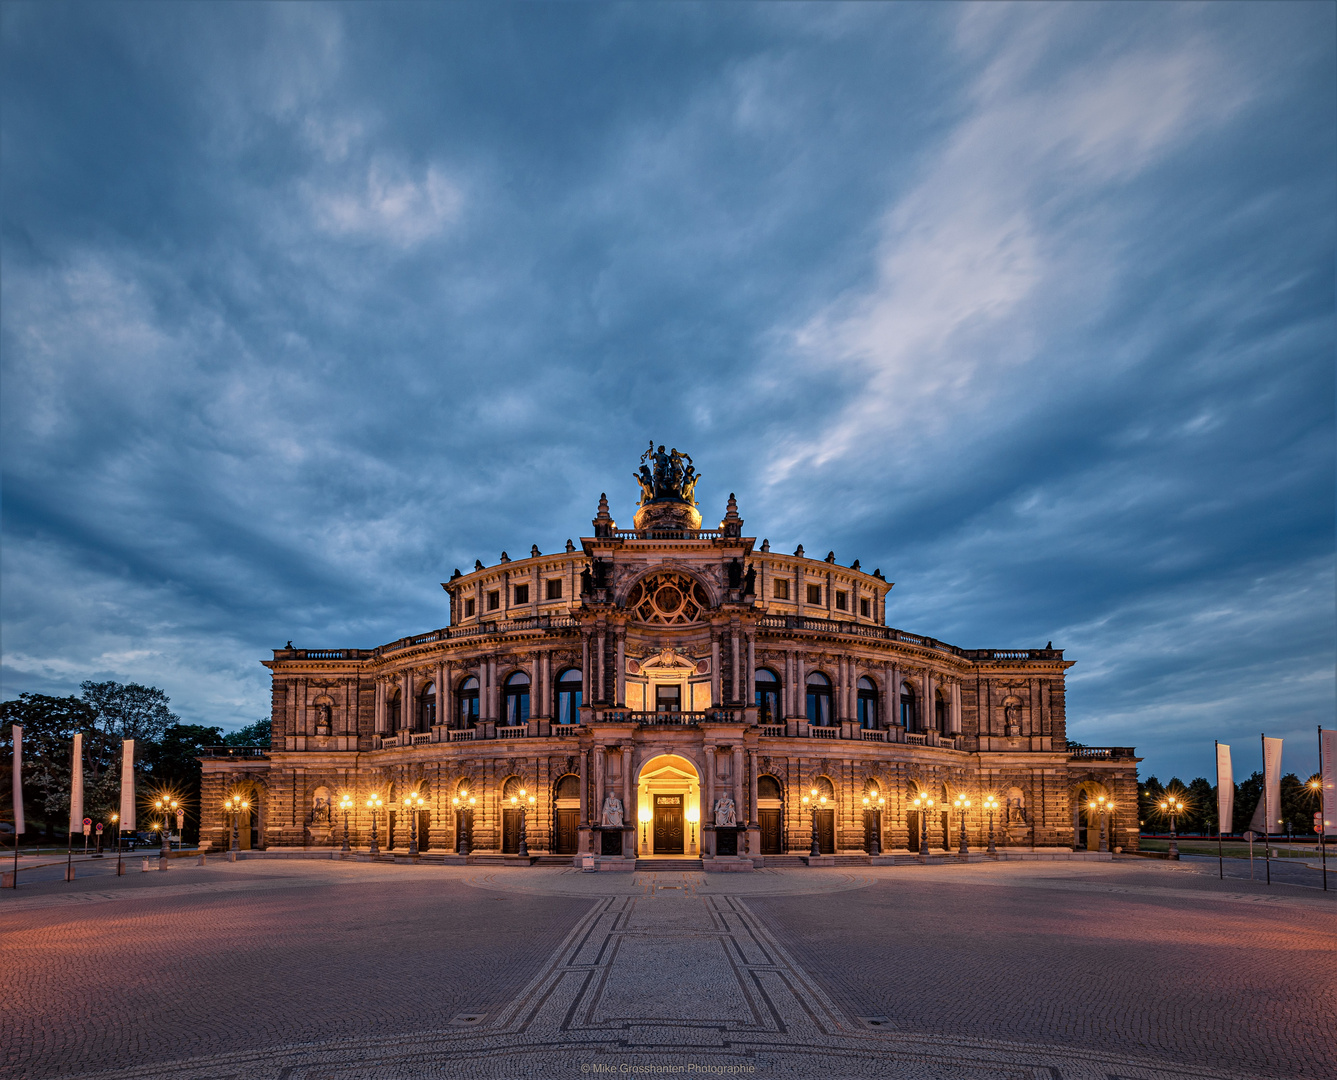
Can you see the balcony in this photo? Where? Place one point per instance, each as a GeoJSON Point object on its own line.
{"type": "Point", "coordinates": [1078, 752]}
{"type": "Point", "coordinates": [234, 752]}
{"type": "Point", "coordinates": [665, 719]}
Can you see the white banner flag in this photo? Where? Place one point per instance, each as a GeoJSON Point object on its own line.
{"type": "Point", "coordinates": [1272, 783]}
{"type": "Point", "coordinates": [1327, 768]}
{"type": "Point", "coordinates": [1225, 790]}
{"type": "Point", "coordinates": [77, 786]}
{"type": "Point", "coordinates": [127, 784]}
{"type": "Point", "coordinates": [18, 782]}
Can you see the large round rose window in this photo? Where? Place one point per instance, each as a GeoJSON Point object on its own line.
{"type": "Point", "coordinates": [670, 599]}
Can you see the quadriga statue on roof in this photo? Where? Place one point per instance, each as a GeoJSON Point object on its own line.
{"type": "Point", "coordinates": [667, 475]}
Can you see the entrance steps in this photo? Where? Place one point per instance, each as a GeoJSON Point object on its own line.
{"type": "Point", "coordinates": [669, 865]}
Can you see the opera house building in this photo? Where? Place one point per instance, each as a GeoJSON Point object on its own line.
{"type": "Point", "coordinates": [673, 693]}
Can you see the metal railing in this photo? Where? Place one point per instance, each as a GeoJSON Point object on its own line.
{"type": "Point", "coordinates": [1099, 753]}
{"type": "Point", "coordinates": [234, 751]}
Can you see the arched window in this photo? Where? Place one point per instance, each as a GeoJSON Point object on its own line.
{"type": "Point", "coordinates": [568, 789]}
{"type": "Point", "coordinates": [468, 698]}
{"type": "Point", "coordinates": [939, 712]}
{"type": "Point", "coordinates": [427, 707]}
{"type": "Point", "coordinates": [819, 699]}
{"type": "Point", "coordinates": [768, 787]}
{"type": "Point", "coordinates": [907, 710]}
{"type": "Point", "coordinates": [768, 697]}
{"type": "Point", "coordinates": [867, 703]}
{"type": "Point", "coordinates": [568, 696]}
{"type": "Point", "coordinates": [392, 712]}
{"type": "Point", "coordinates": [517, 699]}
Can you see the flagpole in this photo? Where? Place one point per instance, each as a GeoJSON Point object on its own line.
{"type": "Point", "coordinates": [1220, 856]}
{"type": "Point", "coordinates": [1267, 816]}
{"type": "Point", "coordinates": [1322, 812]}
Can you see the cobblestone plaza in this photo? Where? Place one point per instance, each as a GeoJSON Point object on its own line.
{"type": "Point", "coordinates": [284, 969]}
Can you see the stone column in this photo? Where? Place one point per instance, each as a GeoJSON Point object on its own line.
{"type": "Point", "coordinates": [738, 781]}
{"type": "Point", "coordinates": [380, 705]}
{"type": "Point", "coordinates": [441, 714]}
{"type": "Point", "coordinates": [891, 684]}
{"type": "Point", "coordinates": [586, 670]}
{"type": "Point", "coordinates": [708, 811]}
{"type": "Point", "coordinates": [599, 665]}
{"type": "Point", "coordinates": [300, 686]}
{"type": "Point", "coordinates": [535, 689]}
{"type": "Point", "coordinates": [493, 696]}
{"type": "Point", "coordinates": [750, 689]}
{"type": "Point", "coordinates": [956, 707]}
{"type": "Point", "coordinates": [716, 684]}
{"type": "Point", "coordinates": [800, 688]}
{"type": "Point", "coordinates": [752, 790]}
{"type": "Point", "coordinates": [599, 767]}
{"type": "Point", "coordinates": [737, 663]}
{"type": "Point", "coordinates": [407, 714]}
{"type": "Point", "coordinates": [584, 789]}
{"type": "Point", "coordinates": [621, 694]}
{"type": "Point", "coordinates": [930, 712]}
{"type": "Point", "coordinates": [629, 811]}
{"type": "Point", "coordinates": [447, 702]}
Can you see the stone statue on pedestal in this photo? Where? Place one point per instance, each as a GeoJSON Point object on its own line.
{"type": "Point", "coordinates": [726, 814]}
{"type": "Point", "coordinates": [612, 811]}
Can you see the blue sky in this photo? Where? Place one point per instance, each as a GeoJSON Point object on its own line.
{"type": "Point", "coordinates": [303, 306]}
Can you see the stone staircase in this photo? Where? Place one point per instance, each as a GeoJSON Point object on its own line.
{"type": "Point", "coordinates": [668, 866]}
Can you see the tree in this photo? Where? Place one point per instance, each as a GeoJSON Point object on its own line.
{"type": "Point", "coordinates": [49, 726]}
{"type": "Point", "coordinates": [129, 710]}
{"type": "Point", "coordinates": [174, 766]}
{"type": "Point", "coordinates": [256, 734]}
{"type": "Point", "coordinates": [1298, 804]}
{"type": "Point", "coordinates": [1247, 794]}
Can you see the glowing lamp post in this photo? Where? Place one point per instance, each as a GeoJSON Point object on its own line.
{"type": "Point", "coordinates": [346, 804]}
{"type": "Point", "coordinates": [962, 804]}
{"type": "Point", "coordinates": [412, 804]}
{"type": "Point", "coordinates": [235, 805]}
{"type": "Point", "coordinates": [523, 802]}
{"type": "Point", "coordinates": [643, 815]}
{"type": "Point", "coordinates": [464, 804]}
{"type": "Point", "coordinates": [374, 805]}
{"type": "Point", "coordinates": [693, 816]}
{"type": "Point", "coordinates": [1102, 807]}
{"type": "Point", "coordinates": [1172, 806]}
{"type": "Point", "coordinates": [874, 807]}
{"type": "Point", "coordinates": [166, 806]}
{"type": "Point", "coordinates": [991, 804]}
{"type": "Point", "coordinates": [924, 805]}
{"type": "Point", "coordinates": [814, 801]}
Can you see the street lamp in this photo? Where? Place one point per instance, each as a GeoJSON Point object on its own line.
{"type": "Point", "coordinates": [374, 805]}
{"type": "Point", "coordinates": [464, 805]}
{"type": "Point", "coordinates": [1172, 806]}
{"type": "Point", "coordinates": [116, 828]}
{"type": "Point", "coordinates": [235, 805]}
{"type": "Point", "coordinates": [991, 804]}
{"type": "Point", "coordinates": [962, 804]}
{"type": "Point", "coordinates": [522, 802]}
{"type": "Point", "coordinates": [815, 801]}
{"type": "Point", "coordinates": [874, 806]}
{"type": "Point", "coordinates": [693, 816]}
{"type": "Point", "coordinates": [164, 806]}
{"type": "Point", "coordinates": [643, 814]}
{"type": "Point", "coordinates": [346, 804]}
{"type": "Point", "coordinates": [924, 805]}
{"type": "Point", "coordinates": [413, 802]}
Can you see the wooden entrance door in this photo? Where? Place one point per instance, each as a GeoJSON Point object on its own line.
{"type": "Point", "coordinates": [390, 830]}
{"type": "Point", "coordinates": [870, 830]}
{"type": "Point", "coordinates": [769, 820]}
{"type": "Point", "coordinates": [826, 832]}
{"type": "Point", "coordinates": [568, 832]}
{"type": "Point", "coordinates": [668, 825]}
{"type": "Point", "coordinates": [510, 832]}
{"type": "Point", "coordinates": [424, 827]}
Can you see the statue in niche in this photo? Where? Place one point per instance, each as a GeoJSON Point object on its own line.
{"type": "Point", "coordinates": [320, 808]}
{"type": "Point", "coordinates": [1012, 716]}
{"type": "Point", "coordinates": [726, 814]}
{"type": "Point", "coordinates": [750, 581]}
{"type": "Point", "coordinates": [612, 812]}
{"type": "Point", "coordinates": [324, 714]}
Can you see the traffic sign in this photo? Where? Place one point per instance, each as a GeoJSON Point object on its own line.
{"type": "Point", "coordinates": [88, 825]}
{"type": "Point", "coordinates": [99, 826]}
{"type": "Point", "coordinates": [1318, 822]}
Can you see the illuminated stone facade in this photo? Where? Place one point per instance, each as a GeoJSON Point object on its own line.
{"type": "Point", "coordinates": [674, 691]}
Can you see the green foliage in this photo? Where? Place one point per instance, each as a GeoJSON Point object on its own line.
{"type": "Point", "coordinates": [174, 767]}
{"type": "Point", "coordinates": [256, 734]}
{"type": "Point", "coordinates": [1247, 794]}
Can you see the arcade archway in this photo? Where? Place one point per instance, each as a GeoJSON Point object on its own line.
{"type": "Point", "coordinates": [668, 801]}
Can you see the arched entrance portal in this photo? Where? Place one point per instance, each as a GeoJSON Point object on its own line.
{"type": "Point", "coordinates": [668, 801]}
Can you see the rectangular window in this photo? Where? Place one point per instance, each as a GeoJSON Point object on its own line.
{"type": "Point", "coordinates": [815, 595]}
{"type": "Point", "coordinates": [782, 588]}
{"type": "Point", "coordinates": [866, 608]}
{"type": "Point", "coordinates": [842, 601]}
{"type": "Point", "coordinates": [468, 609]}
{"type": "Point", "coordinates": [522, 594]}
{"type": "Point", "coordinates": [493, 600]}
{"type": "Point", "coordinates": [554, 588]}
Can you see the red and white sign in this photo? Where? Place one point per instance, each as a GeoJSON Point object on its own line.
{"type": "Point", "coordinates": [88, 825]}
{"type": "Point", "coordinates": [99, 826]}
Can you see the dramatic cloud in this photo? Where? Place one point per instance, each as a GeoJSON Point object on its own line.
{"type": "Point", "coordinates": [1032, 306]}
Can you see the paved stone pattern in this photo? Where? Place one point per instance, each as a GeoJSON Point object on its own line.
{"type": "Point", "coordinates": [331, 971]}
{"type": "Point", "coordinates": [1228, 976]}
{"type": "Point", "coordinates": [255, 954]}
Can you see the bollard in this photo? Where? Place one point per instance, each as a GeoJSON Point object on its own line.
{"type": "Point", "coordinates": [200, 861]}
{"type": "Point", "coordinates": [7, 880]}
{"type": "Point", "coordinates": [144, 865]}
{"type": "Point", "coordinates": [69, 873]}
